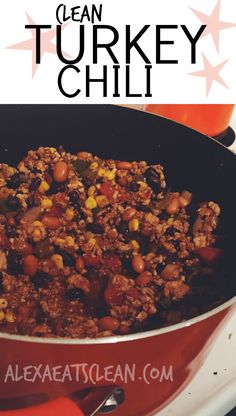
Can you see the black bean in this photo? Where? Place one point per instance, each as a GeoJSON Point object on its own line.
{"type": "Point", "coordinates": [55, 188]}
{"type": "Point", "coordinates": [153, 179]}
{"type": "Point", "coordinates": [74, 294]}
{"type": "Point", "coordinates": [95, 228]}
{"type": "Point", "coordinates": [68, 258]}
{"type": "Point", "coordinates": [41, 280]}
{"type": "Point", "coordinates": [34, 170]}
{"type": "Point", "coordinates": [175, 243]}
{"type": "Point", "coordinates": [16, 179]}
{"type": "Point", "coordinates": [74, 197]}
{"type": "Point", "coordinates": [160, 267]}
{"type": "Point", "coordinates": [144, 208]}
{"type": "Point", "coordinates": [170, 231]}
{"type": "Point", "coordinates": [188, 269]}
{"type": "Point", "coordinates": [35, 183]}
{"type": "Point", "coordinates": [122, 227]}
{"type": "Point", "coordinates": [163, 215]}
{"type": "Point", "coordinates": [14, 262]}
{"type": "Point", "coordinates": [10, 232]}
{"type": "Point", "coordinates": [13, 203]}
{"type": "Point", "coordinates": [134, 187]}
{"type": "Point", "coordinates": [30, 201]}
{"type": "Point", "coordinates": [171, 258]}
{"type": "Point", "coordinates": [60, 149]}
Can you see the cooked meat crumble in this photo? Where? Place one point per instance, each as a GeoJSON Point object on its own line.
{"type": "Point", "coordinates": [92, 247]}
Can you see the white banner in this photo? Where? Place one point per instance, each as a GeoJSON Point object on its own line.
{"type": "Point", "coordinates": [126, 51]}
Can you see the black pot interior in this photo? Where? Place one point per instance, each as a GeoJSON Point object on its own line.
{"type": "Point", "coordinates": [191, 160]}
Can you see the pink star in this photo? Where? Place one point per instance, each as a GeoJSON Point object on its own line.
{"type": "Point", "coordinates": [46, 44]}
{"type": "Point", "coordinates": [214, 25]}
{"type": "Point", "coordinates": [211, 73]}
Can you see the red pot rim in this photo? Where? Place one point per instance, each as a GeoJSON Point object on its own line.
{"type": "Point", "coordinates": [120, 338]}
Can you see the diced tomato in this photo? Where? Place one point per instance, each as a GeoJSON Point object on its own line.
{"type": "Point", "coordinates": [107, 190]}
{"type": "Point", "coordinates": [91, 260]}
{"type": "Point", "coordinates": [209, 255]}
{"type": "Point", "coordinates": [55, 211]}
{"type": "Point", "coordinates": [132, 292]}
{"type": "Point", "coordinates": [112, 263]}
{"type": "Point", "coordinates": [122, 197]}
{"type": "Point", "coordinates": [4, 242]}
{"type": "Point", "coordinates": [113, 296]}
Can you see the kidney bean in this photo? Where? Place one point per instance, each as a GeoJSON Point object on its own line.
{"type": "Point", "coordinates": [183, 203]}
{"type": "Point", "coordinates": [30, 265]}
{"type": "Point", "coordinates": [124, 329]}
{"type": "Point", "coordinates": [173, 206]}
{"type": "Point", "coordinates": [79, 264]}
{"type": "Point", "coordinates": [209, 255]}
{"type": "Point", "coordinates": [171, 272]}
{"type": "Point", "coordinates": [133, 293]}
{"type": "Point", "coordinates": [108, 323]}
{"type": "Point", "coordinates": [113, 296]}
{"type": "Point", "coordinates": [143, 278]}
{"type": "Point", "coordinates": [128, 214]}
{"type": "Point", "coordinates": [138, 264]}
{"type": "Point", "coordinates": [84, 155]}
{"type": "Point", "coordinates": [122, 181]}
{"type": "Point", "coordinates": [92, 260]}
{"type": "Point", "coordinates": [60, 171]}
{"type": "Point", "coordinates": [124, 165]}
{"type": "Point", "coordinates": [51, 222]}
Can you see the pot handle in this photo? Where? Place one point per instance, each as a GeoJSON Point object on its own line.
{"type": "Point", "coordinates": [59, 407]}
{"type": "Point", "coordinates": [87, 402]}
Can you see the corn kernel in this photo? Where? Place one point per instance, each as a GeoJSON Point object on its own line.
{"type": "Point", "coordinates": [3, 303]}
{"type": "Point", "coordinates": [135, 245]}
{"type": "Point", "coordinates": [91, 190]}
{"type": "Point", "coordinates": [91, 243]}
{"type": "Point", "coordinates": [2, 315]}
{"type": "Point", "coordinates": [102, 201]}
{"type": "Point", "coordinates": [70, 241]}
{"type": "Point", "coordinates": [37, 236]}
{"type": "Point", "coordinates": [110, 174]}
{"type": "Point", "coordinates": [53, 150]}
{"type": "Point", "coordinates": [69, 214]}
{"type": "Point", "coordinates": [10, 317]}
{"type": "Point", "coordinates": [46, 203]}
{"type": "Point", "coordinates": [58, 261]}
{"type": "Point", "coordinates": [90, 203]}
{"type": "Point", "coordinates": [43, 187]}
{"type": "Point", "coordinates": [101, 172]}
{"type": "Point", "coordinates": [170, 221]}
{"type": "Point", "coordinates": [133, 225]}
{"type": "Point", "coordinates": [37, 224]}
{"type": "Point", "coordinates": [142, 185]}
{"type": "Point", "coordinates": [93, 166]}
{"type": "Point", "coordinates": [60, 241]}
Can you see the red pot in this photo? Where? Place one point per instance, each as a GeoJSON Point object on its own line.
{"type": "Point", "coordinates": [192, 162]}
{"type": "Point", "coordinates": [182, 348]}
